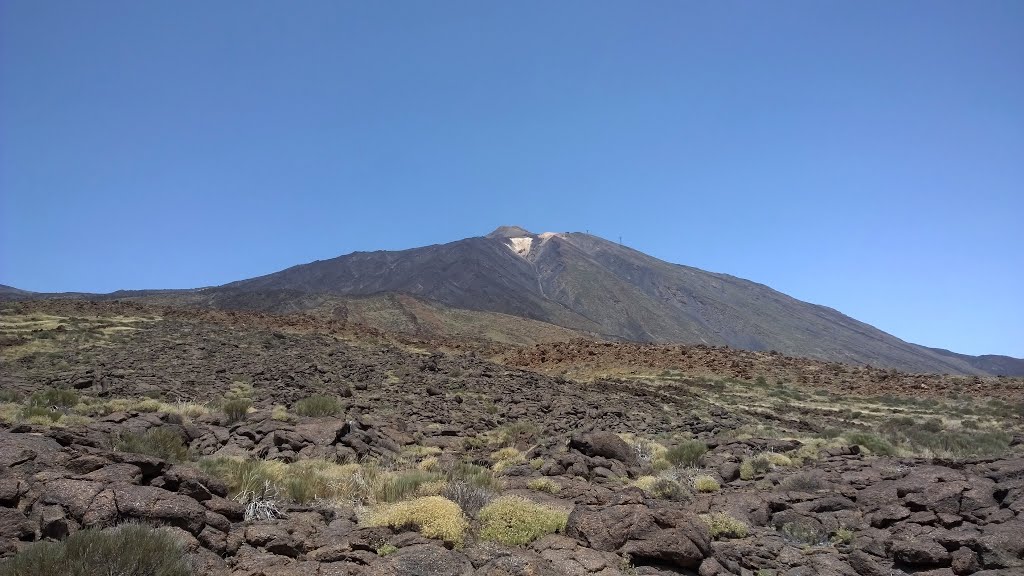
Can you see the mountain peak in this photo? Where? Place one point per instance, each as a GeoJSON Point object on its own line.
{"type": "Point", "coordinates": [510, 232]}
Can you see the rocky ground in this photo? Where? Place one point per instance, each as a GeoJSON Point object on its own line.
{"type": "Point", "coordinates": [795, 479]}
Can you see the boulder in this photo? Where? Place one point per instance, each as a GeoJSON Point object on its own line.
{"type": "Point", "coordinates": [657, 533]}
{"type": "Point", "coordinates": [604, 444]}
{"type": "Point", "coordinates": [422, 560]}
{"type": "Point", "coordinates": [156, 504]}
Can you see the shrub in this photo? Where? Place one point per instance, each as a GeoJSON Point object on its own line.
{"type": "Point", "coordinates": [42, 415]}
{"type": "Point", "coordinates": [750, 468]}
{"type": "Point", "coordinates": [514, 521]}
{"type": "Point", "coordinates": [404, 484]}
{"type": "Point", "coordinates": [428, 464]}
{"type": "Point", "coordinates": [544, 485]}
{"type": "Point", "coordinates": [777, 459]}
{"type": "Point", "coordinates": [163, 442]}
{"type": "Point", "coordinates": [668, 489]}
{"type": "Point", "coordinates": [54, 398]}
{"type": "Point", "coordinates": [506, 458]}
{"type": "Point", "coordinates": [686, 454]}
{"type": "Point", "coordinates": [434, 517]}
{"type": "Point", "coordinates": [148, 405]}
{"type": "Point", "coordinates": [807, 532]}
{"type": "Point", "coordinates": [645, 483]}
{"type": "Point", "coordinates": [537, 463]}
{"type": "Point", "coordinates": [7, 396]}
{"type": "Point", "coordinates": [803, 482]}
{"type": "Point", "coordinates": [236, 408]}
{"type": "Point", "coordinates": [129, 549]}
{"type": "Point", "coordinates": [872, 443]}
{"type": "Point", "coordinates": [280, 413]}
{"type": "Point", "coordinates": [386, 549]}
{"type": "Point", "coordinates": [474, 475]}
{"type": "Point", "coordinates": [470, 498]}
{"type": "Point", "coordinates": [243, 475]}
{"type": "Point", "coordinates": [705, 483]}
{"type": "Point", "coordinates": [842, 536]}
{"type": "Point", "coordinates": [317, 406]}
{"type": "Point", "coordinates": [721, 525]}
{"type": "Point", "coordinates": [518, 432]}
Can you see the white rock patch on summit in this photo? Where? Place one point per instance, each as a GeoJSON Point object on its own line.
{"type": "Point", "coordinates": [521, 245]}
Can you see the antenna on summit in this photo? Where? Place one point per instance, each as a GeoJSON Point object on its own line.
{"type": "Point", "coordinates": [620, 240]}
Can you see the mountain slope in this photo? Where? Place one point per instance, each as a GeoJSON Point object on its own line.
{"type": "Point", "coordinates": [988, 363]}
{"type": "Point", "coordinates": [588, 284]}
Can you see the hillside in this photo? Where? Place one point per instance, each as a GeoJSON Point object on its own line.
{"type": "Point", "coordinates": [286, 445]}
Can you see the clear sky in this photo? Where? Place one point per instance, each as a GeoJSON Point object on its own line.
{"type": "Point", "coordinates": [864, 155]}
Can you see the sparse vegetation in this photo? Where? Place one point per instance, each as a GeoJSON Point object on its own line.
{"type": "Point", "coordinates": [506, 458]}
{"type": "Point", "coordinates": [126, 550]}
{"type": "Point", "coordinates": [162, 442]}
{"type": "Point", "coordinates": [403, 484]}
{"type": "Point", "coordinates": [317, 406]}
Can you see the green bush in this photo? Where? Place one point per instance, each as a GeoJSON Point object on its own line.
{"type": "Point", "coordinates": [688, 453]}
{"type": "Point", "coordinates": [404, 484]}
{"type": "Point", "coordinates": [127, 550]}
{"type": "Point", "coordinates": [236, 408]}
{"type": "Point", "coordinates": [873, 443]}
{"type": "Point", "coordinates": [474, 475]}
{"type": "Point", "coordinates": [668, 489]}
{"type": "Point", "coordinates": [58, 398]}
{"type": "Point", "coordinates": [37, 413]}
{"type": "Point", "coordinates": [705, 483]}
{"type": "Point", "coordinates": [163, 442]}
{"type": "Point", "coordinates": [10, 396]}
{"type": "Point", "coordinates": [721, 525]}
{"type": "Point", "coordinates": [544, 485]}
{"type": "Point", "coordinates": [433, 516]}
{"type": "Point", "coordinates": [514, 521]}
{"type": "Point", "coordinates": [317, 406]}
{"type": "Point", "coordinates": [932, 436]}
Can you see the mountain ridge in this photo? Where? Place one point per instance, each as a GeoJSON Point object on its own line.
{"type": "Point", "coordinates": [590, 284]}
{"type": "Point", "coordinates": [573, 281]}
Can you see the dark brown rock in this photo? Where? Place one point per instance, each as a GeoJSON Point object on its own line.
{"type": "Point", "coordinates": [605, 444]}
{"type": "Point", "coordinates": [920, 552]}
{"type": "Point", "coordinates": [658, 534]}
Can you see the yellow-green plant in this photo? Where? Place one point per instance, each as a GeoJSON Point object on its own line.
{"type": "Point", "coordinates": [721, 525]}
{"type": "Point", "coordinates": [433, 516]}
{"type": "Point", "coordinates": [514, 520]}
{"type": "Point", "coordinates": [544, 485]}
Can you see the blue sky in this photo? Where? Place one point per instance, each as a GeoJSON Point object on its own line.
{"type": "Point", "coordinates": [868, 156]}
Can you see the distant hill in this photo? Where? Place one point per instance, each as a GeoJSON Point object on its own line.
{"type": "Point", "coordinates": [12, 293]}
{"type": "Point", "coordinates": [591, 285]}
{"type": "Point", "coordinates": [988, 363]}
